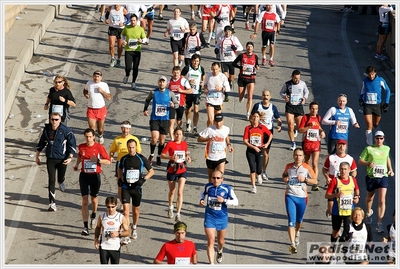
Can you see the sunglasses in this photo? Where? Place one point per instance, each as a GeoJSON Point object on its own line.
{"type": "Point", "coordinates": [111, 206]}
{"type": "Point", "coordinates": [380, 138]}
{"type": "Point", "coordinates": [216, 177]}
{"type": "Point", "coordinates": [55, 119]}
{"type": "Point", "coordinates": [58, 82]}
{"type": "Point", "coordinates": [342, 95]}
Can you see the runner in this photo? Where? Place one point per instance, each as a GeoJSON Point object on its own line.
{"type": "Point", "coordinates": [219, 196]}
{"type": "Point", "coordinates": [116, 22]}
{"type": "Point", "coordinates": [177, 152]}
{"type": "Point", "coordinates": [194, 42]}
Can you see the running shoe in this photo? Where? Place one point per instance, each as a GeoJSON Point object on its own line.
{"type": "Point", "coordinates": [101, 18]}
{"type": "Point", "coordinates": [315, 187]}
{"type": "Point", "coordinates": [133, 86]}
{"type": "Point", "coordinates": [85, 231]}
{"type": "Point", "coordinates": [180, 63]}
{"type": "Point", "coordinates": [150, 159]}
{"type": "Point", "coordinates": [194, 131]}
{"type": "Point", "coordinates": [293, 146]}
{"type": "Point", "coordinates": [113, 62]}
{"type": "Point", "coordinates": [219, 256]}
{"type": "Point", "coordinates": [297, 239]}
{"type": "Point", "coordinates": [120, 209]}
{"type": "Point", "coordinates": [247, 25]}
{"type": "Point", "coordinates": [133, 232]}
{"type": "Point", "coordinates": [379, 228]}
{"type": "Point", "coordinates": [213, 35]}
{"type": "Point", "coordinates": [253, 25]}
{"type": "Point", "coordinates": [118, 64]}
{"type": "Point", "coordinates": [188, 126]}
{"type": "Point", "coordinates": [199, 14]}
{"type": "Point", "coordinates": [160, 16]}
{"type": "Point", "coordinates": [158, 160]}
{"type": "Point", "coordinates": [193, 17]}
{"type": "Point", "coordinates": [295, 133]}
{"type": "Point", "coordinates": [177, 217]}
{"type": "Point", "coordinates": [226, 99]}
{"type": "Point", "coordinates": [170, 213]}
{"type": "Point", "coordinates": [125, 80]}
{"type": "Point", "coordinates": [368, 217]}
{"type": "Point", "coordinates": [259, 179]}
{"type": "Point", "coordinates": [247, 116]}
{"type": "Point", "coordinates": [254, 189]}
{"type": "Point", "coordinates": [93, 223]}
{"type": "Point", "coordinates": [62, 186]}
{"type": "Point", "coordinates": [264, 61]}
{"type": "Point", "coordinates": [125, 240]}
{"type": "Point", "coordinates": [52, 207]}
{"type": "Point", "coordinates": [264, 176]}
{"type": "Point", "coordinates": [271, 63]}
{"type": "Point", "coordinates": [101, 139]}
{"type": "Point", "coordinates": [293, 249]}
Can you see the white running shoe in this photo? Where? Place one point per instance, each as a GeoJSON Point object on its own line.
{"type": "Point", "coordinates": [133, 232]}
{"type": "Point", "coordinates": [177, 217]}
{"type": "Point", "coordinates": [85, 231]}
{"type": "Point", "coordinates": [93, 223]}
{"type": "Point", "coordinates": [247, 116]}
{"type": "Point", "coordinates": [259, 179]}
{"type": "Point", "coordinates": [133, 86]}
{"type": "Point", "coordinates": [254, 189]}
{"type": "Point", "coordinates": [297, 239]}
{"type": "Point", "coordinates": [296, 133]}
{"type": "Point", "coordinates": [293, 146]}
{"type": "Point", "coordinates": [170, 213]}
{"type": "Point", "coordinates": [293, 249]}
{"type": "Point", "coordinates": [113, 62]}
{"type": "Point", "coordinates": [52, 207]}
{"type": "Point", "coordinates": [125, 240]}
{"type": "Point", "coordinates": [188, 126]}
{"type": "Point", "coordinates": [264, 176]}
{"type": "Point", "coordinates": [101, 139]}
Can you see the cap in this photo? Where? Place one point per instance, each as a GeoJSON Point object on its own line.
{"type": "Point", "coordinates": [379, 133]}
{"type": "Point", "coordinates": [180, 225]}
{"type": "Point", "coordinates": [218, 117]}
{"type": "Point", "coordinates": [162, 78]}
{"type": "Point", "coordinates": [97, 72]}
{"type": "Point", "coordinates": [250, 43]}
{"type": "Point", "coordinates": [341, 141]}
{"type": "Point", "coordinates": [227, 28]}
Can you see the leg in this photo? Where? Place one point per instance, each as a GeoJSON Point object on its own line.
{"type": "Point", "coordinates": [210, 115]}
{"type": "Point", "coordinates": [241, 93]}
{"type": "Point", "coordinates": [111, 44]}
{"type": "Point", "coordinates": [209, 172]}
{"type": "Point", "coordinates": [250, 90]}
{"type": "Point", "coordinates": [266, 159]}
{"type": "Point", "coordinates": [95, 203]}
{"type": "Point", "coordinates": [61, 170]}
{"type": "Point", "coordinates": [150, 29]}
{"type": "Point", "coordinates": [92, 123]}
{"type": "Point", "coordinates": [171, 187]}
{"type": "Point", "coordinates": [175, 56]}
{"type": "Point", "coordinates": [315, 159]}
{"type": "Point", "coordinates": [210, 234]}
{"type": "Point", "coordinates": [171, 128]}
{"type": "Point", "coordinates": [368, 132]}
{"type": "Point", "coordinates": [128, 63]}
{"type": "Point", "coordinates": [369, 200]}
{"type": "Point", "coordinates": [51, 171]}
{"type": "Point", "coordinates": [195, 115]}
{"type": "Point", "coordinates": [179, 199]}
{"type": "Point", "coordinates": [85, 208]}
{"type": "Point", "coordinates": [119, 47]}
{"type": "Point", "coordinates": [135, 215]}
{"type": "Point", "coordinates": [100, 127]}
{"type": "Point", "coordinates": [290, 123]}
{"type": "Point", "coordinates": [381, 203]}
{"type": "Point", "coordinates": [381, 43]}
{"type": "Point", "coordinates": [221, 239]}
{"type": "Point", "coordinates": [136, 62]}
{"type": "Point", "coordinates": [221, 167]}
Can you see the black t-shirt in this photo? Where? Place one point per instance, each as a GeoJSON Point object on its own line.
{"type": "Point", "coordinates": [132, 163]}
{"type": "Point", "coordinates": [56, 105]}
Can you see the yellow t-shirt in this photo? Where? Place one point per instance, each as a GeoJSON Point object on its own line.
{"type": "Point", "coordinates": [119, 146]}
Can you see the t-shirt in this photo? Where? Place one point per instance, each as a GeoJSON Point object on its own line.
{"type": "Point", "coordinates": [177, 253]}
{"type": "Point", "coordinates": [86, 152]}
{"type": "Point", "coordinates": [216, 148]}
{"type": "Point", "coordinates": [119, 145]}
{"type": "Point", "coordinates": [96, 99]}
{"type": "Point", "coordinates": [132, 34]}
{"type": "Point", "coordinates": [180, 150]}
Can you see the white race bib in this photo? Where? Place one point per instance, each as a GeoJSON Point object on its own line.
{"type": "Point", "coordinates": [132, 43]}
{"type": "Point", "coordinates": [182, 260]}
{"type": "Point", "coordinates": [312, 134]}
{"type": "Point", "coordinates": [161, 110]}
{"type": "Point", "coordinates": [378, 171]}
{"type": "Point", "coordinates": [296, 99]}
{"type": "Point", "coordinates": [57, 108]}
{"type": "Point", "coordinates": [371, 98]}
{"type": "Point", "coordinates": [346, 202]}
{"type": "Point", "coordinates": [132, 175]}
{"type": "Point", "coordinates": [214, 204]}
{"type": "Point", "coordinates": [89, 166]}
{"type": "Point", "coordinates": [342, 127]}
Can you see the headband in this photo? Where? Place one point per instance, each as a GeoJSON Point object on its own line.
{"type": "Point", "coordinates": [126, 125]}
{"type": "Point", "coordinates": [180, 226]}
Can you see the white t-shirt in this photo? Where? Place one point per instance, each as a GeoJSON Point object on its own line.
{"type": "Point", "coordinates": [216, 149]}
{"type": "Point", "coordinates": [177, 28]}
{"type": "Point", "coordinates": [213, 96]}
{"type": "Point", "coordinates": [96, 99]}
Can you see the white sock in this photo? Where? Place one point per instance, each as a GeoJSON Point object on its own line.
{"type": "Point", "coordinates": [368, 134]}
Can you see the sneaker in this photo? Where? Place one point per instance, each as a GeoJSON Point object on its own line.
{"type": "Point", "coordinates": [118, 64]}
{"type": "Point", "coordinates": [199, 14]}
{"type": "Point", "coordinates": [259, 179]}
{"type": "Point", "coordinates": [158, 160]}
{"type": "Point", "coordinates": [295, 133]}
{"type": "Point", "coordinates": [219, 256]}
{"type": "Point", "coordinates": [62, 186]}
{"type": "Point", "coordinates": [101, 139]}
{"type": "Point", "coordinates": [315, 187]}
{"type": "Point", "coordinates": [188, 126]}
{"type": "Point", "coordinates": [125, 240]}
{"type": "Point", "coordinates": [297, 239]}
{"type": "Point", "coordinates": [170, 213]}
{"type": "Point", "coordinates": [125, 80]}
{"type": "Point", "coordinates": [133, 232]}
{"type": "Point", "coordinates": [271, 63]}
{"type": "Point", "coordinates": [52, 207]}
{"type": "Point", "coordinates": [254, 189]}
{"type": "Point", "coordinates": [264, 61]}
{"type": "Point", "coordinates": [113, 62]}
{"type": "Point", "coordinates": [247, 116]}
{"type": "Point", "coordinates": [133, 86]}
{"type": "Point", "coordinates": [244, 15]}
{"type": "Point", "coordinates": [213, 35]}
{"type": "Point", "coordinates": [378, 56]}
{"type": "Point", "coordinates": [194, 131]}
{"type": "Point", "coordinates": [293, 249]}
{"type": "Point", "coordinates": [160, 16]}
{"type": "Point", "coordinates": [247, 25]}
{"type": "Point", "coordinates": [328, 216]}
{"type": "Point", "coordinates": [368, 217]}
{"type": "Point", "coordinates": [379, 228]}
{"type": "Point", "coordinates": [85, 231]}
{"type": "Point", "coordinates": [177, 217]}
{"type": "Point", "coordinates": [93, 221]}
{"type": "Point", "coordinates": [226, 99]}
{"type": "Point", "coordinates": [101, 18]}
{"type": "Point", "coordinates": [293, 146]}
{"type": "Point", "coordinates": [193, 17]}
{"type": "Point", "coordinates": [150, 159]}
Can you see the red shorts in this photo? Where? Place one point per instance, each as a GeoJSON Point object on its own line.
{"type": "Point", "coordinates": [207, 17]}
{"type": "Point", "coordinates": [97, 113]}
{"type": "Point", "coordinates": [310, 147]}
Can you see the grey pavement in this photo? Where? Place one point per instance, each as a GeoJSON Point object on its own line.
{"type": "Point", "coordinates": [75, 44]}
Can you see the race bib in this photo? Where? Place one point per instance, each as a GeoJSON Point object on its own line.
{"type": "Point", "coordinates": [214, 204]}
{"type": "Point", "coordinates": [89, 166]}
{"type": "Point", "coordinates": [248, 69]}
{"type": "Point", "coordinates": [227, 53]}
{"type": "Point", "coordinates": [255, 140]}
{"type": "Point", "coordinates": [296, 99]}
{"type": "Point", "coordinates": [269, 24]}
{"type": "Point", "coordinates": [133, 43]}
{"type": "Point", "coordinates": [115, 19]}
{"type": "Point", "coordinates": [161, 110]}
{"type": "Point", "coordinates": [346, 202]}
{"type": "Point", "coordinates": [378, 171]}
{"type": "Point", "coordinates": [294, 181]}
{"type": "Point", "coordinates": [342, 127]}
{"type": "Point", "coordinates": [312, 135]}
{"type": "Point", "coordinates": [57, 108]}
{"type": "Point", "coordinates": [178, 97]}
{"type": "Point", "coordinates": [371, 98]}
{"type": "Point", "coordinates": [132, 175]}
{"type": "Point", "coordinates": [217, 147]}
{"type": "Point", "coordinates": [181, 155]}
{"type": "Point", "coordinates": [213, 95]}
{"type": "Point", "coordinates": [182, 260]}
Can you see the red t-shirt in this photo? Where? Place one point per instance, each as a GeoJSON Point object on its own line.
{"type": "Point", "coordinates": [332, 186]}
{"type": "Point", "coordinates": [312, 134]}
{"type": "Point", "coordinates": [256, 135]}
{"type": "Point", "coordinates": [177, 253]}
{"type": "Point", "coordinates": [175, 85]}
{"type": "Point", "coordinates": [85, 152]}
{"type": "Point", "coordinates": [180, 149]}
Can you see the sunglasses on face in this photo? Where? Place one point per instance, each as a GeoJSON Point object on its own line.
{"type": "Point", "coordinates": [111, 206]}
{"type": "Point", "coordinates": [216, 177]}
{"type": "Point", "coordinates": [379, 138]}
{"type": "Point", "coordinates": [55, 119]}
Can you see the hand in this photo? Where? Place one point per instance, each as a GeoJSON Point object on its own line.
{"type": "Point", "coordinates": [391, 173]}
{"type": "Point", "coordinates": [197, 48]}
{"type": "Point", "coordinates": [62, 99]}
{"type": "Point", "coordinates": [37, 160]}
{"type": "Point", "coordinates": [67, 161]}
{"type": "Point", "coordinates": [385, 107]}
{"type": "Point", "coordinates": [217, 19]}
{"type": "Point", "coordinates": [233, 47]}
{"type": "Point", "coordinates": [75, 168]}
{"type": "Point", "coordinates": [216, 50]}
{"type": "Point", "coordinates": [141, 181]}
{"type": "Point", "coordinates": [201, 203]}
{"type": "Point", "coordinates": [360, 102]}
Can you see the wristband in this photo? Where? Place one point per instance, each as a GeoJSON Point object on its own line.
{"type": "Point", "coordinates": [255, 33]}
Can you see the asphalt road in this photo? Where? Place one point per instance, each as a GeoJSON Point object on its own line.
{"type": "Point", "coordinates": [76, 44]}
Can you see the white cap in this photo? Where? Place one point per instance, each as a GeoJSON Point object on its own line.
{"type": "Point", "coordinates": [379, 133]}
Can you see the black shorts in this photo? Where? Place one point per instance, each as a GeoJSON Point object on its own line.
{"type": "Point", "coordinates": [268, 36]}
{"type": "Point", "coordinates": [111, 256]}
{"type": "Point", "coordinates": [91, 181]}
{"type": "Point", "coordinates": [114, 32]}
{"type": "Point", "coordinates": [176, 177]}
{"type": "Point", "coordinates": [372, 109]}
{"type": "Point", "coordinates": [373, 184]}
{"type": "Point", "coordinates": [216, 107]}
{"type": "Point", "coordinates": [162, 126]}
{"type": "Point", "coordinates": [227, 67]}
{"type": "Point", "coordinates": [134, 193]}
{"type": "Point", "coordinates": [178, 46]}
{"type": "Point", "coordinates": [242, 82]}
{"type": "Point", "coordinates": [192, 99]}
{"type": "Point", "coordinates": [337, 222]}
{"type": "Point", "coordinates": [296, 110]}
{"type": "Point", "coordinates": [214, 164]}
{"type": "Point", "coordinates": [176, 112]}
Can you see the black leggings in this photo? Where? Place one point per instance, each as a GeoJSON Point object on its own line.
{"type": "Point", "coordinates": [255, 160]}
{"type": "Point", "coordinates": [109, 255]}
{"type": "Point", "coordinates": [54, 165]}
{"type": "Point", "coordinates": [132, 61]}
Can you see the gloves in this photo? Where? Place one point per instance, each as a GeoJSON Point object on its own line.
{"type": "Point", "coordinates": [197, 48]}
{"type": "Point", "coordinates": [141, 181]}
{"type": "Point", "coordinates": [385, 107]}
{"type": "Point", "coordinates": [216, 50]}
{"type": "Point", "coordinates": [150, 9]}
{"type": "Point", "coordinates": [217, 19]}
{"type": "Point", "coordinates": [233, 47]}
{"type": "Point", "coordinates": [361, 102]}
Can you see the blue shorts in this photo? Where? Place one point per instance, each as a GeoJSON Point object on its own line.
{"type": "Point", "coordinates": [175, 177]}
{"type": "Point", "coordinates": [295, 209]}
{"type": "Point", "coordinates": [376, 183]}
{"type": "Point", "coordinates": [217, 223]}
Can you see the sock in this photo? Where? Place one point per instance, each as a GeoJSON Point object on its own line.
{"type": "Point", "coordinates": [171, 207]}
{"type": "Point", "coordinates": [368, 134]}
{"type": "Point", "coordinates": [93, 216]}
{"type": "Point", "coordinates": [264, 56]}
{"type": "Point", "coordinates": [134, 227]}
{"type": "Point", "coordinates": [85, 224]}
{"type": "Point", "coordinates": [209, 38]}
{"type": "Point", "coordinates": [272, 58]}
{"type": "Point", "coordinates": [160, 148]}
{"type": "Point", "coordinates": [254, 17]}
{"type": "Point", "coordinates": [152, 149]}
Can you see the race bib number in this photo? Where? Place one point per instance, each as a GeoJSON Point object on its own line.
{"type": "Point", "coordinates": [255, 140]}
{"type": "Point", "coordinates": [224, 18]}
{"type": "Point", "coordinates": [294, 181]}
{"type": "Point", "coordinates": [371, 98]}
{"type": "Point", "coordinates": [181, 155]}
{"type": "Point", "coordinates": [342, 127]}
{"type": "Point", "coordinates": [132, 175]}
{"type": "Point", "coordinates": [133, 43]}
{"type": "Point", "coordinates": [248, 69]}
{"type": "Point", "coordinates": [161, 110]}
{"type": "Point", "coordinates": [227, 53]}
{"type": "Point", "coordinates": [213, 203]}
{"type": "Point", "coordinates": [217, 147]}
{"type": "Point", "coordinates": [89, 166]}
{"type": "Point", "coordinates": [312, 135]}
{"type": "Point", "coordinates": [178, 97]}
{"type": "Point", "coordinates": [116, 19]}
{"type": "Point", "coordinates": [177, 34]}
{"type": "Point", "coordinates": [182, 260]}
{"type": "Point", "coordinates": [296, 99]}
{"type": "Point", "coordinates": [57, 108]}
{"type": "Point", "coordinates": [213, 95]}
{"type": "Point", "coordinates": [378, 171]}
{"type": "Point", "coordinates": [269, 24]}
{"type": "Point", "coordinates": [191, 51]}
{"type": "Point", "coordinates": [346, 202]}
